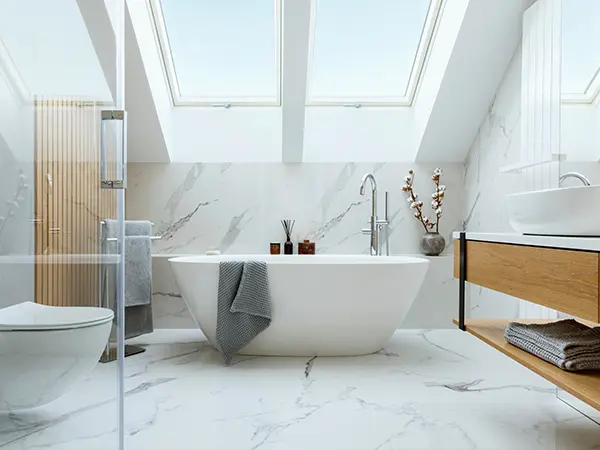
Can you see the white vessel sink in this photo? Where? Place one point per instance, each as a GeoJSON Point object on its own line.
{"type": "Point", "coordinates": [571, 211]}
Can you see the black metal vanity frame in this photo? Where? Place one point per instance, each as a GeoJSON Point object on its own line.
{"type": "Point", "coordinates": [462, 279]}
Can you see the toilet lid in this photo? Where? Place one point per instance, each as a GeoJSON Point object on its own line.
{"type": "Point", "coordinates": [29, 316]}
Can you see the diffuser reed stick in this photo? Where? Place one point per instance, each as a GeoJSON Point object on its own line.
{"type": "Point", "coordinates": [288, 227]}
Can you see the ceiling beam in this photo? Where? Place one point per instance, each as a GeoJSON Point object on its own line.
{"type": "Point", "coordinates": [294, 76]}
{"type": "Point", "coordinates": [147, 136]}
{"type": "Point", "coordinates": [97, 20]}
{"type": "Point", "coordinates": [486, 39]}
{"type": "Point", "coordinates": [147, 98]}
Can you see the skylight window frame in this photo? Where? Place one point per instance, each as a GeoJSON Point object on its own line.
{"type": "Point", "coordinates": [423, 49]}
{"type": "Point", "coordinates": [589, 96]}
{"type": "Point", "coordinates": [171, 73]}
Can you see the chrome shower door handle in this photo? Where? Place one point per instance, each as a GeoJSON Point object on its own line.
{"type": "Point", "coordinates": [120, 181]}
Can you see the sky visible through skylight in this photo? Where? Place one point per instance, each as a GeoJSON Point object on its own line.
{"type": "Point", "coordinates": [223, 49]}
{"type": "Point", "coordinates": [365, 48]}
{"type": "Point", "coordinates": [227, 49]}
{"type": "Point", "coordinates": [580, 44]}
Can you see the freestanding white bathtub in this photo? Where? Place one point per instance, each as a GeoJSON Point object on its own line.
{"type": "Point", "coordinates": [322, 305]}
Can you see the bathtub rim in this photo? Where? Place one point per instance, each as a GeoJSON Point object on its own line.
{"type": "Point", "coordinates": [302, 259]}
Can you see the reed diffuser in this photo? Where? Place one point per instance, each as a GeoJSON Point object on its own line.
{"type": "Point", "coordinates": [288, 227]}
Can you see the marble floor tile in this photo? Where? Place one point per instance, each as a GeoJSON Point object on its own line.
{"type": "Point", "coordinates": [439, 389]}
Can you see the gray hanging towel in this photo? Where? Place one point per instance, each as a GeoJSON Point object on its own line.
{"type": "Point", "coordinates": [243, 304]}
{"type": "Point", "coordinates": [138, 270]}
{"type": "Point", "coordinates": [138, 228]}
{"type": "Point", "coordinates": [138, 275]}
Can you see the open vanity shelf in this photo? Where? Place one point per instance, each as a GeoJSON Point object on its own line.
{"type": "Point", "coordinates": [584, 386]}
{"type": "Point", "coordinates": [559, 273]}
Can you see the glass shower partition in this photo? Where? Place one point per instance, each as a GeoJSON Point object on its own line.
{"type": "Point", "coordinates": [63, 153]}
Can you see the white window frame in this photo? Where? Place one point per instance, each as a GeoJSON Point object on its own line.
{"type": "Point", "coordinates": [591, 92]}
{"type": "Point", "coordinates": [167, 57]}
{"type": "Point", "coordinates": [425, 44]}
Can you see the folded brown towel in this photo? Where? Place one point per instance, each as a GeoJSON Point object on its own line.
{"type": "Point", "coordinates": [567, 344]}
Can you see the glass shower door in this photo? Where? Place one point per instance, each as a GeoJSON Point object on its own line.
{"type": "Point", "coordinates": [62, 179]}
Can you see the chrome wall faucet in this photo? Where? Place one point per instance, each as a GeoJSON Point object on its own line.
{"type": "Point", "coordinates": [577, 175]}
{"type": "Point", "coordinates": [378, 229]}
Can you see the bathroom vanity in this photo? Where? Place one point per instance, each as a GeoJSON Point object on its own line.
{"type": "Point", "coordinates": [561, 273]}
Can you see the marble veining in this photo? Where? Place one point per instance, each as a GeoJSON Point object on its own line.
{"type": "Point", "coordinates": [190, 180]}
{"type": "Point", "coordinates": [425, 390]}
{"type": "Point", "coordinates": [471, 386]}
{"type": "Point", "coordinates": [497, 144]}
{"type": "Point", "coordinates": [235, 228]}
{"type": "Point", "coordinates": [237, 208]}
{"type": "Point", "coordinates": [340, 183]}
{"type": "Point", "coordinates": [169, 231]}
{"type": "Point", "coordinates": [309, 366]}
{"type": "Point", "coordinates": [322, 231]}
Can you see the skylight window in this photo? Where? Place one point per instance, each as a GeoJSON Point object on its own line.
{"type": "Point", "coordinates": [580, 79]}
{"type": "Point", "coordinates": [220, 51]}
{"type": "Point", "coordinates": [369, 51]}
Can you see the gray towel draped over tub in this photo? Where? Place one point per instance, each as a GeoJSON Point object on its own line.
{"type": "Point", "coordinates": [138, 275]}
{"type": "Point", "coordinates": [243, 304]}
{"type": "Point", "coordinates": [568, 344]}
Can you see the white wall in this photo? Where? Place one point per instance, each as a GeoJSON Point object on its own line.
{"type": "Point", "coordinates": [16, 159]}
{"type": "Point", "coordinates": [442, 129]}
{"type": "Point", "coordinates": [254, 134]}
{"type": "Point", "coordinates": [359, 134]}
{"type": "Point", "coordinates": [237, 209]}
{"type": "Point", "coordinates": [50, 45]}
{"type": "Point", "coordinates": [497, 144]}
{"type": "Point", "coordinates": [226, 135]}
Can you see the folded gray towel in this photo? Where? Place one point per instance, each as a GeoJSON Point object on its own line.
{"type": "Point", "coordinates": [573, 364]}
{"type": "Point", "coordinates": [568, 344]}
{"type": "Point", "coordinates": [564, 337]}
{"type": "Point", "coordinates": [243, 305]}
{"type": "Point", "coordinates": [551, 346]}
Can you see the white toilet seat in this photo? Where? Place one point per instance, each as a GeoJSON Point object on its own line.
{"type": "Point", "coordinates": [29, 316]}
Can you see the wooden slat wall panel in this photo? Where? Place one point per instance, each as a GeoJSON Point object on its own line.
{"type": "Point", "coordinates": [69, 203]}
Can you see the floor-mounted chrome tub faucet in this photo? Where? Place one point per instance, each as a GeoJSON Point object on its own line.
{"type": "Point", "coordinates": [378, 229]}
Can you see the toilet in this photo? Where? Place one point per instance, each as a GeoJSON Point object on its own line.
{"type": "Point", "coordinates": [47, 350]}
